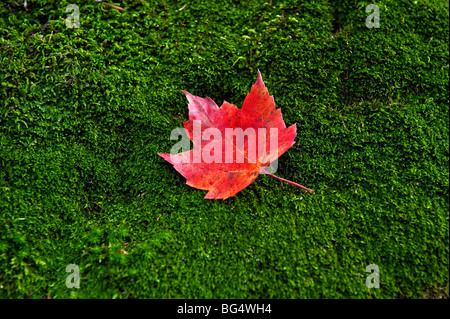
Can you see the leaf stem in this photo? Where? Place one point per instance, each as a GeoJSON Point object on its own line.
{"type": "Point", "coordinates": [290, 182]}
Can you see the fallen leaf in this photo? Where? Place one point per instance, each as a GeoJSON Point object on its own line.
{"type": "Point", "coordinates": [236, 163]}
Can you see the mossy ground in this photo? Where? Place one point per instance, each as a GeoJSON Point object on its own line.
{"type": "Point", "coordinates": [84, 112]}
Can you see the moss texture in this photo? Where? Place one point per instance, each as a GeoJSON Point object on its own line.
{"type": "Point", "coordinates": [84, 112]}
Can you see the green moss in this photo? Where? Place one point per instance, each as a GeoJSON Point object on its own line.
{"type": "Point", "coordinates": [85, 111]}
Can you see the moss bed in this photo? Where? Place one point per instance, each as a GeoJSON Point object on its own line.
{"type": "Point", "coordinates": [84, 112]}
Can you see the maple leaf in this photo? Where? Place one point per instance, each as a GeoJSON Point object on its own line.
{"type": "Point", "coordinates": [234, 139]}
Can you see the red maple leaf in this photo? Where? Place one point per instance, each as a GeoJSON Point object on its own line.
{"type": "Point", "coordinates": [242, 140]}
